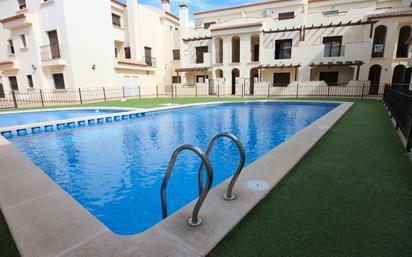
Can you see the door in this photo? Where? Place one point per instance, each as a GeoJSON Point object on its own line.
{"type": "Point", "coordinates": [54, 44]}
{"type": "Point", "coordinates": [58, 80]}
{"type": "Point", "coordinates": [211, 87]}
{"type": "Point", "coordinates": [235, 74]}
{"type": "Point", "coordinates": [256, 53]}
{"type": "Point", "coordinates": [330, 77]}
{"type": "Point", "coordinates": [374, 78]}
{"type": "Point", "coordinates": [13, 83]}
{"type": "Point", "coordinates": [148, 56]}
{"type": "Point", "coordinates": [2, 95]}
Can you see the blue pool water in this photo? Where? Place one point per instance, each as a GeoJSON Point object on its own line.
{"type": "Point", "coordinates": [115, 170]}
{"type": "Point", "coordinates": [12, 119]}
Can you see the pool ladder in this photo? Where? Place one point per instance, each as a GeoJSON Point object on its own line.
{"type": "Point", "coordinates": [195, 220]}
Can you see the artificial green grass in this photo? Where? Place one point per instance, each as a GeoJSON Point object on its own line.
{"type": "Point", "coordinates": [7, 246]}
{"type": "Point", "coordinates": [350, 196]}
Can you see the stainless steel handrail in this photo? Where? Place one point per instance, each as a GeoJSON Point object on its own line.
{"type": "Point", "coordinates": [229, 195]}
{"type": "Point", "coordinates": [195, 220]}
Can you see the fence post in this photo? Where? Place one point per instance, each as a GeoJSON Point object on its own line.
{"type": "Point", "coordinates": [243, 90]}
{"type": "Point", "coordinates": [363, 88]}
{"type": "Point", "coordinates": [218, 90]}
{"type": "Point", "coordinates": [157, 91]}
{"type": "Point", "coordinates": [268, 90]}
{"type": "Point", "coordinates": [175, 91]}
{"type": "Point", "coordinates": [196, 89]}
{"type": "Point", "coordinates": [80, 96]}
{"type": "Point", "coordinates": [328, 91]}
{"type": "Point", "coordinates": [41, 98]}
{"type": "Point", "coordinates": [297, 90]}
{"type": "Point", "coordinates": [172, 90]}
{"type": "Point", "coordinates": [140, 93]}
{"type": "Point", "coordinates": [408, 139]}
{"type": "Point", "coordinates": [13, 93]}
{"type": "Point", "coordinates": [104, 94]}
{"type": "Point", "coordinates": [124, 94]}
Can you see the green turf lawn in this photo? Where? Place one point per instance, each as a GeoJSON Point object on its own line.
{"type": "Point", "coordinates": [350, 196]}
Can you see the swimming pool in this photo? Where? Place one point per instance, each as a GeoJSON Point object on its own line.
{"type": "Point", "coordinates": [115, 170]}
{"type": "Point", "coordinates": [21, 118]}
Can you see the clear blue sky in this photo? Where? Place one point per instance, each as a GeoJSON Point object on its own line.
{"type": "Point", "coordinates": [197, 5]}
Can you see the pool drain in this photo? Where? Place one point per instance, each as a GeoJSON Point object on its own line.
{"type": "Point", "coordinates": [257, 185]}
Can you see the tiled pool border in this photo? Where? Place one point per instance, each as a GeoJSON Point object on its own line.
{"type": "Point", "coordinates": [45, 221]}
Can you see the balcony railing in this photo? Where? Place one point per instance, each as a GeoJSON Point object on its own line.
{"type": "Point", "coordinates": [335, 51]}
{"type": "Point", "coordinates": [150, 61]}
{"type": "Point", "coordinates": [50, 52]}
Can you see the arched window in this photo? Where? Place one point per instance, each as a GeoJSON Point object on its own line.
{"type": "Point", "coordinates": [403, 46]}
{"type": "Point", "coordinates": [219, 50]}
{"type": "Point", "coordinates": [379, 39]}
{"type": "Point", "coordinates": [235, 49]}
{"type": "Point", "coordinates": [254, 47]}
{"type": "Point", "coordinates": [398, 76]}
{"type": "Point", "coordinates": [219, 73]}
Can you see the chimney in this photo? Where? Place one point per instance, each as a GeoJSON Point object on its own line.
{"type": "Point", "coordinates": [184, 16]}
{"type": "Point", "coordinates": [166, 5]}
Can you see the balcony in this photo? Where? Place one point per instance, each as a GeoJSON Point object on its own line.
{"type": "Point", "coordinates": [150, 61]}
{"type": "Point", "coordinates": [334, 51]}
{"type": "Point", "coordinates": [8, 65]}
{"type": "Point", "coordinates": [15, 22]}
{"type": "Point", "coordinates": [132, 64]}
{"type": "Point", "coordinates": [51, 55]}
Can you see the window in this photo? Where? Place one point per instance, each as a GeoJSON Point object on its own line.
{"type": "Point", "coordinates": [403, 42]}
{"type": "Point", "coordinates": [148, 56]}
{"type": "Point", "coordinates": [176, 79]}
{"type": "Point", "coordinates": [23, 41]}
{"type": "Point", "coordinates": [378, 48]}
{"type": "Point", "coordinates": [330, 77]}
{"type": "Point", "coordinates": [201, 78]}
{"type": "Point", "coordinates": [58, 80]}
{"type": "Point", "coordinates": [2, 94]}
{"type": "Point", "coordinates": [207, 25]}
{"type": "Point", "coordinates": [283, 49]}
{"type": "Point", "coordinates": [115, 52]}
{"type": "Point", "coordinates": [22, 4]}
{"type": "Point", "coordinates": [13, 83]}
{"type": "Point", "coordinates": [286, 15]}
{"type": "Point", "coordinates": [116, 20]}
{"type": "Point", "coordinates": [200, 50]}
{"type": "Point", "coordinates": [333, 46]}
{"type": "Point", "coordinates": [176, 54]}
{"type": "Point", "coordinates": [10, 46]}
{"type": "Point", "coordinates": [127, 54]}
{"type": "Point", "coordinates": [281, 79]}
{"type": "Point", "coordinates": [30, 81]}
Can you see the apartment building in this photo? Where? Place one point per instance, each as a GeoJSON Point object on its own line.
{"type": "Point", "coordinates": [287, 41]}
{"type": "Point", "coordinates": [64, 44]}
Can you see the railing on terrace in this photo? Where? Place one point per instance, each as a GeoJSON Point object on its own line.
{"type": "Point", "coordinates": [150, 61]}
{"type": "Point", "coordinates": [50, 97]}
{"type": "Point", "coordinates": [50, 52]}
{"type": "Point", "coordinates": [398, 100]}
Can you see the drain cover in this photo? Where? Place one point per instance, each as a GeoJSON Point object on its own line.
{"type": "Point", "coordinates": [257, 185]}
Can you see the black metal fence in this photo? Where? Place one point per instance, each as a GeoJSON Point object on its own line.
{"type": "Point", "coordinates": [398, 100]}
{"type": "Point", "coordinates": [42, 98]}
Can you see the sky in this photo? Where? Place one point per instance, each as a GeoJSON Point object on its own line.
{"type": "Point", "coordinates": [197, 5]}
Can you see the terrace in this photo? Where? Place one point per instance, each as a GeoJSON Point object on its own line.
{"type": "Point", "coordinates": [321, 208]}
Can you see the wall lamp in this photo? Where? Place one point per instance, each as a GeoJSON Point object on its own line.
{"type": "Point", "coordinates": [94, 67]}
{"type": "Point", "coordinates": [34, 67]}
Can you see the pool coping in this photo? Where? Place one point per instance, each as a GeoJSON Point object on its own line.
{"type": "Point", "coordinates": [45, 221]}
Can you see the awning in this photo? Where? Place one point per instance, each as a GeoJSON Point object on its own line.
{"type": "Point", "coordinates": [193, 69]}
{"type": "Point", "coordinates": [279, 66]}
{"type": "Point", "coordinates": [337, 64]}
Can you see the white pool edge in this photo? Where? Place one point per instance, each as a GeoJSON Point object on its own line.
{"type": "Point", "coordinates": [45, 221]}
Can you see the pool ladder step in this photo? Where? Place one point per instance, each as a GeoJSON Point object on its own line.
{"type": "Point", "coordinates": [195, 220]}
